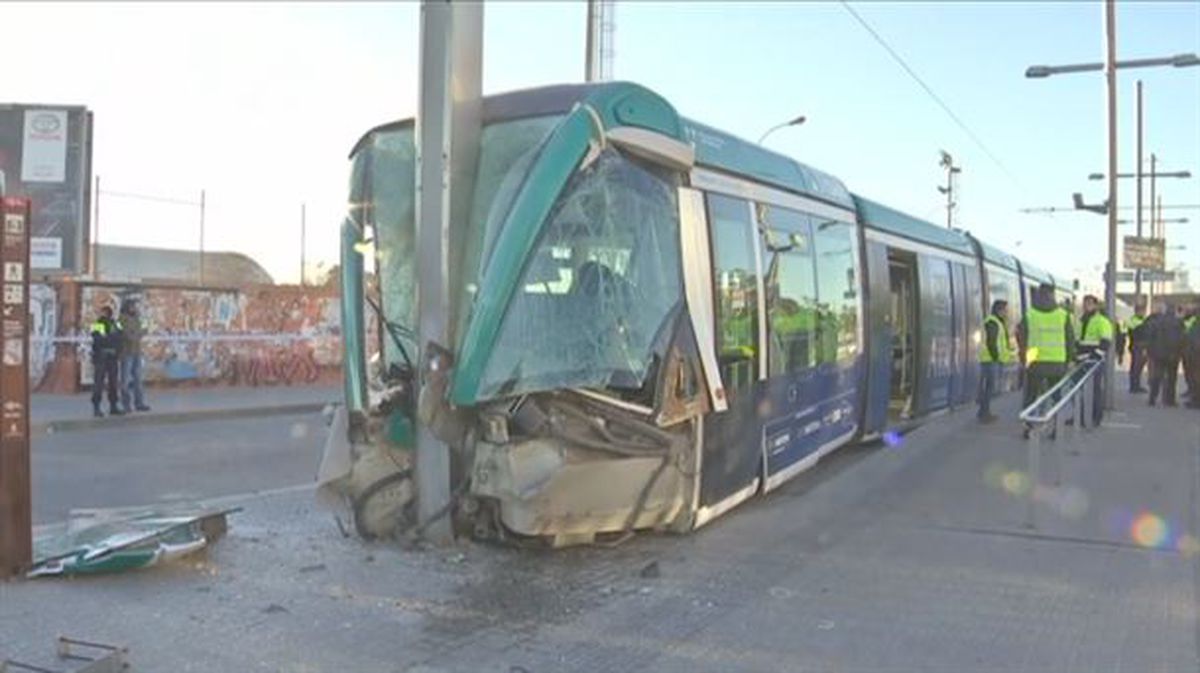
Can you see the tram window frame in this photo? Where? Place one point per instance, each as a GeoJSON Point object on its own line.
{"type": "Point", "coordinates": [786, 236]}
{"type": "Point", "coordinates": [842, 334]}
{"type": "Point", "coordinates": [725, 215]}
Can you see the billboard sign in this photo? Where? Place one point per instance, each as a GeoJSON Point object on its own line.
{"type": "Point", "coordinates": [1145, 253]}
{"type": "Point", "coordinates": [46, 157]}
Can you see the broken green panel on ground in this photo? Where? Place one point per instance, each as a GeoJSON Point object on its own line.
{"type": "Point", "coordinates": [116, 540]}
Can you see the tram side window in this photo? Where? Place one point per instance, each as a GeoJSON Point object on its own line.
{"type": "Point", "coordinates": [735, 274]}
{"type": "Point", "coordinates": [791, 290]}
{"type": "Point", "coordinates": [837, 291]}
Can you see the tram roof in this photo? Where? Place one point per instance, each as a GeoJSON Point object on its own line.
{"type": "Point", "coordinates": [878, 216]}
{"type": "Point", "coordinates": [1036, 274]}
{"type": "Point", "coordinates": [714, 148]}
{"type": "Point", "coordinates": [996, 256]}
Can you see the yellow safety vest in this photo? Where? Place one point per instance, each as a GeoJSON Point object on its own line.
{"type": "Point", "coordinates": [1047, 335]}
{"type": "Point", "coordinates": [1135, 321]}
{"type": "Point", "coordinates": [1002, 347]}
{"type": "Point", "coordinates": [1098, 328]}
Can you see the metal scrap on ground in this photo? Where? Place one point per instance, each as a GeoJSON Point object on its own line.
{"type": "Point", "coordinates": [98, 658]}
{"type": "Point", "coordinates": [114, 540]}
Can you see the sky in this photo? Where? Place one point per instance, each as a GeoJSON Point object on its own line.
{"type": "Point", "coordinates": [259, 104]}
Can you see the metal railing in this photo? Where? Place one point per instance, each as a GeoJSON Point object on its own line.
{"type": "Point", "coordinates": [1073, 398]}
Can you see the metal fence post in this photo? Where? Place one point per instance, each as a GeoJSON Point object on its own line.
{"type": "Point", "coordinates": [1035, 449]}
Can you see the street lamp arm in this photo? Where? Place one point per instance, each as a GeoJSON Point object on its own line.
{"type": "Point", "coordinates": [1178, 61]}
{"type": "Point", "coordinates": [791, 122]}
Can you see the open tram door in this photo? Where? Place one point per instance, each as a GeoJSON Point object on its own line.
{"type": "Point", "coordinates": [902, 318]}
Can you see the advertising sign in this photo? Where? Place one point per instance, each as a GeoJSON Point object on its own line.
{"type": "Point", "coordinates": [1145, 253]}
{"type": "Point", "coordinates": [46, 157]}
{"type": "Point", "coordinates": [15, 512]}
{"type": "Point", "coordinates": [44, 146]}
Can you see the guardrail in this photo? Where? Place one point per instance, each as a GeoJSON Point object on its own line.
{"type": "Point", "coordinates": [1070, 398]}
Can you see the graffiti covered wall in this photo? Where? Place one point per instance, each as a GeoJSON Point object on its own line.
{"type": "Point", "coordinates": [262, 335]}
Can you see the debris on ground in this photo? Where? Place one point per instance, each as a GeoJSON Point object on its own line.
{"type": "Point", "coordinates": [116, 540]}
{"type": "Point", "coordinates": [98, 658]}
{"type": "Point", "coordinates": [651, 571]}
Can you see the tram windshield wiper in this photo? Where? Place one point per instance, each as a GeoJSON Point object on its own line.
{"type": "Point", "coordinates": [395, 330]}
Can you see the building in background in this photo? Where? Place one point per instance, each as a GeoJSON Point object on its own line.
{"type": "Point", "coordinates": [158, 266]}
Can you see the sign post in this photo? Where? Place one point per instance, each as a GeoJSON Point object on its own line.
{"type": "Point", "coordinates": [16, 521]}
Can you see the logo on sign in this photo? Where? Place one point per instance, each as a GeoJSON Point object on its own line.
{"type": "Point", "coordinates": [14, 294]}
{"type": "Point", "coordinates": [14, 224]}
{"type": "Point", "coordinates": [45, 123]}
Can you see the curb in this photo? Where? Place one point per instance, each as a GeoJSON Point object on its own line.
{"type": "Point", "coordinates": [175, 417]}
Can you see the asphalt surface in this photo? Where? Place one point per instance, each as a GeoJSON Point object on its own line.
{"type": "Point", "coordinates": [911, 557]}
{"type": "Point", "coordinates": [129, 465]}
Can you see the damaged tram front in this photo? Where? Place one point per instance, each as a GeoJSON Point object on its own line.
{"type": "Point", "coordinates": [584, 356]}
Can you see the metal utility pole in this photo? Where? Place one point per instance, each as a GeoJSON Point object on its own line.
{"type": "Point", "coordinates": [591, 59]}
{"type": "Point", "coordinates": [202, 237]}
{"type": "Point", "coordinates": [951, 187]}
{"type": "Point", "coordinates": [1137, 289]}
{"type": "Point", "coordinates": [449, 113]}
{"type": "Point", "coordinates": [302, 233]}
{"type": "Point", "coordinates": [1110, 277]}
{"type": "Point", "coordinates": [598, 43]}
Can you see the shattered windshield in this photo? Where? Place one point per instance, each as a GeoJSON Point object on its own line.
{"type": "Point", "coordinates": [598, 288]}
{"type": "Point", "coordinates": [383, 184]}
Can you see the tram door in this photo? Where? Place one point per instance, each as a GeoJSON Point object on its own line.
{"type": "Point", "coordinates": [902, 272]}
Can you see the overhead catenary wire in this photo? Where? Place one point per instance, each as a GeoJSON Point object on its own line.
{"type": "Point", "coordinates": [932, 94]}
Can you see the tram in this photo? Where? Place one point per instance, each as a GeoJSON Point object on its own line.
{"type": "Point", "coordinates": [652, 321]}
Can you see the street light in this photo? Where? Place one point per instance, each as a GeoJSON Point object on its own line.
{"type": "Point", "coordinates": [1169, 220]}
{"type": "Point", "coordinates": [791, 122]}
{"type": "Point", "coordinates": [1169, 174]}
{"type": "Point", "coordinates": [1110, 66]}
{"type": "Point", "coordinates": [1178, 61]}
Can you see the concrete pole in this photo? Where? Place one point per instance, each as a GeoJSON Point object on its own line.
{"type": "Point", "coordinates": [302, 235]}
{"type": "Point", "coordinates": [448, 124]}
{"type": "Point", "coordinates": [1110, 77]}
{"type": "Point", "coordinates": [202, 237]}
{"type": "Point", "coordinates": [1137, 290]}
{"type": "Point", "coordinates": [94, 262]}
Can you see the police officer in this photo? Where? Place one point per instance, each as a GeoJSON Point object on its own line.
{"type": "Point", "coordinates": [1095, 341]}
{"type": "Point", "coordinates": [1136, 338]}
{"type": "Point", "coordinates": [1192, 349]}
{"type": "Point", "coordinates": [1189, 357]}
{"type": "Point", "coordinates": [1049, 343]}
{"type": "Point", "coordinates": [993, 357]}
{"type": "Point", "coordinates": [106, 353]}
{"type": "Point", "coordinates": [1164, 346]}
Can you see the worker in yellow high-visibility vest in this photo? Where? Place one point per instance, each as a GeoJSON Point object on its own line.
{"type": "Point", "coordinates": [1049, 343]}
{"type": "Point", "coordinates": [1136, 338]}
{"type": "Point", "coordinates": [1096, 340]}
{"type": "Point", "coordinates": [1191, 355]}
{"type": "Point", "coordinates": [106, 352]}
{"type": "Point", "coordinates": [994, 354]}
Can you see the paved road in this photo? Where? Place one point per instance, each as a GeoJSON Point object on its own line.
{"type": "Point", "coordinates": [137, 465]}
{"type": "Point", "coordinates": [883, 560]}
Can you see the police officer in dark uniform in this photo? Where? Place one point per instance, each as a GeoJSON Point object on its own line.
{"type": "Point", "coordinates": [1165, 345]}
{"type": "Point", "coordinates": [106, 355]}
{"type": "Point", "coordinates": [1191, 359]}
{"type": "Point", "coordinates": [1136, 338]}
